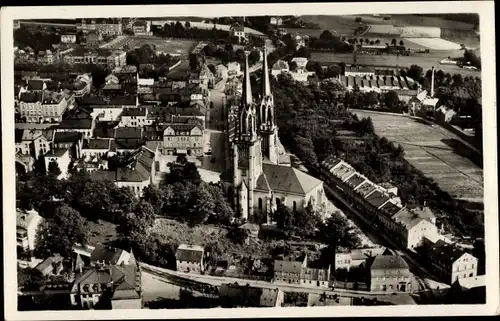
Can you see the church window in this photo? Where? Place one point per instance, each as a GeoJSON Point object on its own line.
{"type": "Point", "coordinates": [278, 201]}
{"type": "Point", "coordinates": [294, 205]}
{"type": "Point", "coordinates": [260, 203]}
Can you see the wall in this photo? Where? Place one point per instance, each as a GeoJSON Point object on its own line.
{"type": "Point", "coordinates": [137, 187]}
{"type": "Point", "coordinates": [379, 279]}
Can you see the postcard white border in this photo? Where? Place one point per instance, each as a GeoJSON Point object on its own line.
{"type": "Point", "coordinates": [487, 26]}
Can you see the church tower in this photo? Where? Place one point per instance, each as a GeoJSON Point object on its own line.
{"type": "Point", "coordinates": [267, 118]}
{"type": "Point", "coordinates": [247, 160]}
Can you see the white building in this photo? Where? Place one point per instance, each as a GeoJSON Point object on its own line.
{"type": "Point", "coordinates": [61, 157]}
{"type": "Point", "coordinates": [190, 258]}
{"type": "Point", "coordinates": [68, 38]}
{"type": "Point", "coordinates": [135, 117]}
{"type": "Point", "coordinates": [279, 67]}
{"type": "Point", "coordinates": [233, 69]}
{"type": "Point", "coordinates": [301, 62]}
{"type": "Point", "coordinates": [238, 31]}
{"type": "Point", "coordinates": [26, 228]}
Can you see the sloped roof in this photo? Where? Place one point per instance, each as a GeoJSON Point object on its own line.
{"type": "Point", "coordinates": [107, 254]}
{"type": "Point", "coordinates": [388, 262]}
{"type": "Point", "coordinates": [127, 279]}
{"type": "Point", "coordinates": [355, 180]}
{"type": "Point", "coordinates": [189, 253]}
{"type": "Point", "coordinates": [98, 143]}
{"type": "Point", "coordinates": [66, 137]}
{"type": "Point", "coordinates": [289, 179]}
{"type": "Point", "coordinates": [366, 188]}
{"type": "Point", "coordinates": [262, 183]}
{"type": "Point", "coordinates": [445, 253]}
{"type": "Point", "coordinates": [128, 132]}
{"type": "Point", "coordinates": [81, 123]}
{"type": "Point", "coordinates": [35, 84]}
{"type": "Point", "coordinates": [343, 171]}
{"type": "Point", "coordinates": [390, 208]}
{"type": "Point", "coordinates": [129, 112]}
{"type": "Point", "coordinates": [377, 198]}
{"type": "Point", "coordinates": [407, 218]}
{"type": "Point", "coordinates": [425, 213]}
{"type": "Point", "coordinates": [331, 162]}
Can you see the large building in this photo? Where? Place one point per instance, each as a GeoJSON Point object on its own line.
{"type": "Point", "coordinates": [259, 179]}
{"type": "Point", "coordinates": [26, 229]}
{"type": "Point", "coordinates": [103, 57]}
{"type": "Point", "coordinates": [44, 106]}
{"type": "Point", "coordinates": [296, 270]}
{"type": "Point", "coordinates": [390, 273]}
{"type": "Point", "coordinates": [108, 26]}
{"type": "Point", "coordinates": [190, 258]}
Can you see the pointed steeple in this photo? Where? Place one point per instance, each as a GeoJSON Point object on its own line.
{"type": "Point", "coordinates": [247, 88]}
{"type": "Point", "coordinates": [266, 85]}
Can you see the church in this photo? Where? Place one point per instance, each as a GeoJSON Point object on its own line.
{"type": "Point", "coordinates": [260, 174]}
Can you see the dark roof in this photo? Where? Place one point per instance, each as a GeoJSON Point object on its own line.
{"type": "Point", "coordinates": [128, 132]}
{"type": "Point", "coordinates": [56, 152]}
{"type": "Point", "coordinates": [104, 130]}
{"type": "Point", "coordinates": [178, 75]}
{"type": "Point", "coordinates": [83, 123]}
{"type": "Point", "coordinates": [18, 135]}
{"type": "Point", "coordinates": [355, 180]}
{"type": "Point", "coordinates": [288, 179]}
{"type": "Point", "coordinates": [66, 137]}
{"type": "Point", "coordinates": [93, 100]}
{"type": "Point", "coordinates": [107, 254]}
{"type": "Point", "coordinates": [129, 100]}
{"type": "Point", "coordinates": [330, 162]}
{"type": "Point", "coordinates": [98, 144]}
{"type": "Point", "coordinates": [188, 255]}
{"type": "Point", "coordinates": [445, 252]}
{"type": "Point", "coordinates": [386, 262]}
{"type": "Point", "coordinates": [376, 199]}
{"type": "Point", "coordinates": [182, 127]}
{"type": "Point", "coordinates": [129, 112]}
{"type": "Point", "coordinates": [126, 143]}
{"type": "Point", "coordinates": [138, 168]}
{"type": "Point", "coordinates": [127, 282]}
{"type": "Point", "coordinates": [35, 84]}
{"type": "Point", "coordinates": [30, 97]}
{"type": "Point", "coordinates": [262, 183]}
{"type": "Point", "coordinates": [390, 208]}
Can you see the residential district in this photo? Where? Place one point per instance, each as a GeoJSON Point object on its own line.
{"type": "Point", "coordinates": [216, 163]}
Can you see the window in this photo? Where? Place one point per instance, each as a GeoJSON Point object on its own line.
{"type": "Point", "coordinates": [294, 206]}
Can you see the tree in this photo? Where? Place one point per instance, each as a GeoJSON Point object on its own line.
{"type": "Point", "coordinates": [193, 62]}
{"type": "Point", "coordinates": [303, 52]}
{"type": "Point", "coordinates": [336, 232]}
{"type": "Point", "coordinates": [358, 20]}
{"type": "Point", "coordinates": [415, 72]}
{"type": "Point", "coordinates": [60, 233]}
{"type": "Point", "coordinates": [366, 127]}
{"type": "Point", "coordinates": [293, 66]}
{"type": "Point", "coordinates": [391, 99]}
{"type": "Point", "coordinates": [155, 196]}
{"type": "Point", "coordinates": [370, 98]}
{"type": "Point", "coordinates": [187, 24]}
{"type": "Point", "coordinates": [284, 218]}
{"type": "Point", "coordinates": [401, 43]}
{"type": "Point", "coordinates": [29, 279]}
{"type": "Point", "coordinates": [326, 35]}
{"type": "Point", "coordinates": [222, 208]}
{"type": "Point", "coordinates": [253, 57]}
{"type": "Point", "coordinates": [393, 42]}
{"type": "Point", "coordinates": [305, 221]}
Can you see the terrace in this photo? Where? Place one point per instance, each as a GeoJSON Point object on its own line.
{"type": "Point", "coordinates": [377, 199]}
{"type": "Point", "coordinates": [390, 208]}
{"type": "Point", "coordinates": [365, 189]}
{"type": "Point", "coordinates": [355, 180]}
{"type": "Point", "coordinates": [343, 172]}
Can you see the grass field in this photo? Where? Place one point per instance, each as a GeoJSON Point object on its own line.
{"type": "Point", "coordinates": [343, 25]}
{"type": "Point", "coordinates": [414, 20]}
{"type": "Point", "coordinates": [423, 60]}
{"type": "Point", "coordinates": [427, 149]}
{"type": "Point", "coordinates": [174, 47]}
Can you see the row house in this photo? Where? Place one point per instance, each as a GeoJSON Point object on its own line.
{"type": "Point", "coordinates": [110, 108]}
{"type": "Point", "coordinates": [71, 140]}
{"type": "Point", "coordinates": [82, 85]}
{"type": "Point", "coordinates": [44, 106]}
{"type": "Point", "coordinates": [85, 126]}
{"type": "Point", "coordinates": [289, 270]}
{"type": "Point", "coordinates": [451, 263]}
{"type": "Point", "coordinates": [103, 57]}
{"type": "Point", "coordinates": [33, 142]}
{"type": "Point", "coordinates": [404, 86]}
{"type": "Point", "coordinates": [356, 258]}
{"type": "Point", "coordinates": [381, 205]}
{"type": "Point", "coordinates": [359, 71]}
{"type": "Point", "coordinates": [68, 38]}
{"type": "Point", "coordinates": [135, 117]}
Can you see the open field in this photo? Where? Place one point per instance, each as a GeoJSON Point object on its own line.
{"type": "Point", "coordinates": [429, 149]}
{"type": "Point", "coordinates": [423, 60]}
{"type": "Point", "coordinates": [414, 20]}
{"type": "Point", "coordinates": [342, 25]}
{"type": "Point", "coordinates": [168, 46]}
{"type": "Point", "coordinates": [434, 43]}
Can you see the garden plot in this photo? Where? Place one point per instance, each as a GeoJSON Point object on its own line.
{"type": "Point", "coordinates": [424, 149]}
{"type": "Point", "coordinates": [434, 43]}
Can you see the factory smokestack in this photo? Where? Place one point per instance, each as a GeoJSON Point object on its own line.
{"type": "Point", "coordinates": [432, 82]}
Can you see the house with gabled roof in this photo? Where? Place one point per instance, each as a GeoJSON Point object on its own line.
{"type": "Point", "coordinates": [451, 263]}
{"type": "Point", "coordinates": [390, 273]}
{"type": "Point", "coordinates": [183, 139]}
{"type": "Point", "coordinates": [190, 258]}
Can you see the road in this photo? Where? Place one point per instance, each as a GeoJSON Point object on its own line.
{"type": "Point", "coordinates": [415, 267]}
{"type": "Point", "coordinates": [166, 276]}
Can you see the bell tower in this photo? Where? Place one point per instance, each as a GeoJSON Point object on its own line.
{"type": "Point", "coordinates": [247, 161]}
{"type": "Point", "coordinates": [268, 129]}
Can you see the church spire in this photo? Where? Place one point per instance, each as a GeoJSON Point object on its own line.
{"type": "Point", "coordinates": [247, 87]}
{"type": "Point", "coordinates": [266, 86]}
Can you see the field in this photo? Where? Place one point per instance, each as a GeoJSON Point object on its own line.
{"type": "Point", "coordinates": [343, 25]}
{"type": "Point", "coordinates": [414, 20]}
{"type": "Point", "coordinates": [429, 149]}
{"type": "Point", "coordinates": [168, 46]}
{"type": "Point", "coordinates": [434, 43]}
{"type": "Point", "coordinates": [426, 61]}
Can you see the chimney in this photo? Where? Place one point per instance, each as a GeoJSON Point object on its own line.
{"type": "Point", "coordinates": [432, 82]}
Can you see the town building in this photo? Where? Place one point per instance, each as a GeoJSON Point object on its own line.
{"type": "Point", "coordinates": [68, 38]}
{"type": "Point", "coordinates": [451, 263]}
{"type": "Point", "coordinates": [27, 223]}
{"type": "Point", "coordinates": [190, 258]}
{"type": "Point", "coordinates": [109, 26]}
{"type": "Point", "coordinates": [221, 71]}
{"type": "Point", "coordinates": [85, 126]}
{"type": "Point", "coordinates": [46, 57]}
{"type": "Point", "coordinates": [72, 141]}
{"type": "Point", "coordinates": [103, 57]}
{"type": "Point", "coordinates": [142, 28]}
{"type": "Point", "coordinates": [33, 142]}
{"type": "Point", "coordinates": [51, 266]}
{"type": "Point", "coordinates": [44, 106]}
{"type": "Point", "coordinates": [138, 172]}
{"type": "Point", "coordinates": [361, 71]}
{"type": "Point", "coordinates": [289, 270]}
{"type": "Point", "coordinates": [108, 287]}
{"type": "Point", "coordinates": [233, 295]}
{"type": "Point", "coordinates": [238, 31]}
{"type": "Point", "coordinates": [277, 21]}
{"type": "Point", "coordinates": [135, 117]}
{"type": "Point", "coordinates": [261, 177]}
{"type": "Point", "coordinates": [301, 62]}
{"type": "Point", "coordinates": [61, 157]}
{"type": "Point", "coordinates": [183, 139]}
{"type": "Point", "coordinates": [390, 273]}
{"type": "Point", "coordinates": [96, 147]}
{"type": "Point", "coordinates": [346, 260]}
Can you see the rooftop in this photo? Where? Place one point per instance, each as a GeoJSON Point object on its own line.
{"type": "Point", "coordinates": [57, 152]}
{"type": "Point", "coordinates": [98, 143]}
{"type": "Point", "coordinates": [189, 253]}
{"type": "Point", "coordinates": [389, 262]}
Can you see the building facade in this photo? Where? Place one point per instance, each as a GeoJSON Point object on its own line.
{"type": "Point", "coordinates": [390, 273]}
{"type": "Point", "coordinates": [190, 258]}
{"type": "Point", "coordinates": [61, 157]}
{"type": "Point", "coordinates": [26, 229]}
{"type": "Point", "coordinates": [184, 139]}
{"type": "Point", "coordinates": [104, 57]}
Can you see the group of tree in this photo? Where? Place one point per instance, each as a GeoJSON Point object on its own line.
{"type": "Point", "coordinates": [308, 129]}
{"type": "Point", "coordinates": [147, 54]}
{"type": "Point", "coordinates": [38, 41]}
{"type": "Point", "coordinates": [180, 30]}
{"type": "Point", "coordinates": [227, 54]}
{"type": "Point", "coordinates": [329, 41]}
